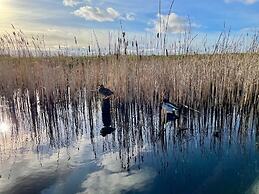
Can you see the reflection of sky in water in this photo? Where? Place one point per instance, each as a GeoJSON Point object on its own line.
{"type": "Point", "coordinates": [136, 158]}
{"type": "Point", "coordinates": [110, 178]}
{"type": "Point", "coordinates": [4, 127]}
{"type": "Point", "coordinates": [76, 170]}
{"type": "Point", "coordinates": [72, 170]}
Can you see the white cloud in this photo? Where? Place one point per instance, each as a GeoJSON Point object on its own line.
{"type": "Point", "coordinates": [176, 24]}
{"type": "Point", "coordinates": [64, 36]}
{"type": "Point", "coordinates": [243, 1]}
{"type": "Point", "coordinates": [130, 16]}
{"type": "Point", "coordinates": [254, 188]}
{"type": "Point", "coordinates": [70, 3]}
{"type": "Point", "coordinates": [97, 14]}
{"type": "Point", "coordinates": [111, 179]}
{"type": "Point", "coordinates": [250, 1]}
{"type": "Point", "coordinates": [17, 169]}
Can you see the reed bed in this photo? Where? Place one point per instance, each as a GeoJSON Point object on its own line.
{"type": "Point", "coordinates": [195, 80]}
{"type": "Point", "coordinates": [224, 78]}
{"type": "Point", "coordinates": [49, 99]}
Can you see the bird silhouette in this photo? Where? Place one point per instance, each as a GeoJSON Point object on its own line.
{"type": "Point", "coordinates": [105, 92]}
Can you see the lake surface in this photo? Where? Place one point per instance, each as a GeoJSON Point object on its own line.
{"type": "Point", "coordinates": [95, 146]}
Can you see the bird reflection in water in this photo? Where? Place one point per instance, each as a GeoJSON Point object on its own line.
{"type": "Point", "coordinates": [257, 139]}
{"type": "Point", "coordinates": [106, 118]}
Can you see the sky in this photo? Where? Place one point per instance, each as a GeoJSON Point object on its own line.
{"type": "Point", "coordinates": [61, 20]}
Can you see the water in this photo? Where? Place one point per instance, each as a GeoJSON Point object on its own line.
{"type": "Point", "coordinates": [85, 145]}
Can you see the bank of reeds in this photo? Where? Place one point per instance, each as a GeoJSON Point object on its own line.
{"type": "Point", "coordinates": [215, 79]}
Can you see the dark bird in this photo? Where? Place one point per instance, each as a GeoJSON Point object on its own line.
{"type": "Point", "coordinates": [106, 92]}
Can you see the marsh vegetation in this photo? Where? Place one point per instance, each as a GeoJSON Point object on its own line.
{"type": "Point", "coordinates": [48, 105]}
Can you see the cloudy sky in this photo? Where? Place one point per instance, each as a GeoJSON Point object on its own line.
{"type": "Point", "coordinates": [61, 20]}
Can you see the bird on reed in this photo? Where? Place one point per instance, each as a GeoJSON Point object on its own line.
{"type": "Point", "coordinates": [171, 108]}
{"type": "Point", "coordinates": [105, 92]}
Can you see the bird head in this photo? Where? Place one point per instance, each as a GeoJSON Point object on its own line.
{"type": "Point", "coordinates": [100, 86]}
{"type": "Point", "coordinates": [165, 96]}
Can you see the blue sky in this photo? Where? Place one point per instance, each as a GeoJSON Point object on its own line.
{"type": "Point", "coordinates": [59, 19]}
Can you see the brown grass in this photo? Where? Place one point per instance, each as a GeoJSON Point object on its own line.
{"type": "Point", "coordinates": [197, 80]}
{"type": "Point", "coordinates": [216, 79]}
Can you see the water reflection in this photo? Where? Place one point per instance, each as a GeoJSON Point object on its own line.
{"type": "Point", "coordinates": [106, 117]}
{"type": "Point", "coordinates": [110, 178]}
{"type": "Point", "coordinates": [106, 112]}
{"type": "Point", "coordinates": [4, 127]}
{"type": "Point", "coordinates": [58, 142]}
{"type": "Point", "coordinates": [106, 131]}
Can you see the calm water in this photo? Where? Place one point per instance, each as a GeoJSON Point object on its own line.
{"type": "Point", "coordinates": [90, 146]}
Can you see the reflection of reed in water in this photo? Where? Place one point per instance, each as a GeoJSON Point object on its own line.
{"type": "Point", "coordinates": [257, 139]}
{"type": "Point", "coordinates": [46, 121]}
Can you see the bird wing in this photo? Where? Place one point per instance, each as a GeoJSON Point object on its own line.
{"type": "Point", "coordinates": [105, 91]}
{"type": "Point", "coordinates": [108, 92]}
{"type": "Point", "coordinates": [172, 105]}
{"type": "Point", "coordinates": [169, 107]}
